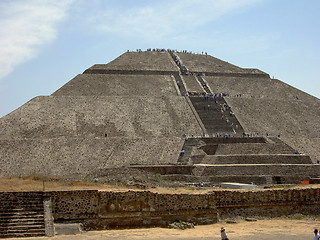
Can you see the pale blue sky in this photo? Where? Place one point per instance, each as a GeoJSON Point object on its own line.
{"type": "Point", "coordinates": [45, 43]}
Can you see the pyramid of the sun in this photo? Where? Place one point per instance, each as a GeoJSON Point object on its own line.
{"type": "Point", "coordinates": [136, 111]}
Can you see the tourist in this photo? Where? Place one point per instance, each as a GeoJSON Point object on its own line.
{"type": "Point", "coordinates": [182, 153]}
{"type": "Point", "coordinates": [223, 234]}
{"type": "Point", "coordinates": [316, 235]}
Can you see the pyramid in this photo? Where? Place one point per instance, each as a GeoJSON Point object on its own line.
{"type": "Point", "coordinates": [189, 117]}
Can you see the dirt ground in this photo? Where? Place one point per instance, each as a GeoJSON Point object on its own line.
{"type": "Point", "coordinates": [283, 229]}
{"type": "Point", "coordinates": [34, 183]}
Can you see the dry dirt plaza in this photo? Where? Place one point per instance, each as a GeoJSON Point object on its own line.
{"type": "Point", "coordinates": [262, 229]}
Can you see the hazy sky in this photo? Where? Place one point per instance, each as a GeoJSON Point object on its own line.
{"type": "Point", "coordinates": [45, 43]}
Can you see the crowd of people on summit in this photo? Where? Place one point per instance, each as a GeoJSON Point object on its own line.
{"type": "Point", "coordinates": [169, 50]}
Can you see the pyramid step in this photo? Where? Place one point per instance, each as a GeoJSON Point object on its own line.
{"type": "Point", "coordinates": [20, 203]}
{"type": "Point", "coordinates": [20, 235]}
{"type": "Point", "coordinates": [181, 178]}
{"type": "Point", "coordinates": [21, 216]}
{"type": "Point", "coordinates": [257, 159]}
{"type": "Point", "coordinates": [259, 169]}
{"type": "Point", "coordinates": [29, 223]}
{"type": "Point", "coordinates": [10, 212]}
{"type": "Point", "coordinates": [17, 198]}
{"type": "Point", "coordinates": [165, 169]}
{"type": "Point", "coordinates": [214, 180]}
{"type": "Point", "coordinates": [23, 233]}
{"type": "Point", "coordinates": [21, 220]}
{"type": "Point", "coordinates": [27, 227]}
{"type": "Point", "coordinates": [250, 148]}
{"type": "Point", "coordinates": [18, 209]}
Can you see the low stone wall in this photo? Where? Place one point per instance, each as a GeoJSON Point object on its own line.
{"type": "Point", "coordinates": [102, 210]}
{"type": "Point", "coordinates": [74, 205]}
{"type": "Point", "coordinates": [268, 203]}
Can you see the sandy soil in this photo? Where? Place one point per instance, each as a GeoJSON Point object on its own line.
{"type": "Point", "coordinates": [283, 229]}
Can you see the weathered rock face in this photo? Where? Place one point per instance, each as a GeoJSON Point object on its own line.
{"type": "Point", "coordinates": [132, 111]}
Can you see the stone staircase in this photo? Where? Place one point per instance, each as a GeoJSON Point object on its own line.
{"type": "Point", "coordinates": [182, 68]}
{"type": "Point", "coordinates": [204, 85]}
{"type": "Point", "coordinates": [180, 84]}
{"type": "Point", "coordinates": [214, 112]}
{"type": "Point", "coordinates": [21, 214]}
{"type": "Point", "coordinates": [215, 120]}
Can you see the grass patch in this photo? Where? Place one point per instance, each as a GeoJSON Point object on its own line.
{"type": "Point", "coordinates": [157, 178]}
{"type": "Point", "coordinates": [37, 177]}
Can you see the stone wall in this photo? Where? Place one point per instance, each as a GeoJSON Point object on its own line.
{"type": "Point", "coordinates": [100, 210]}
{"type": "Point", "coordinates": [103, 209]}
{"type": "Point", "coordinates": [268, 203]}
{"type": "Point", "coordinates": [74, 204]}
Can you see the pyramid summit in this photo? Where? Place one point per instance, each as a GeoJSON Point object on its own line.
{"type": "Point", "coordinates": [189, 117]}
